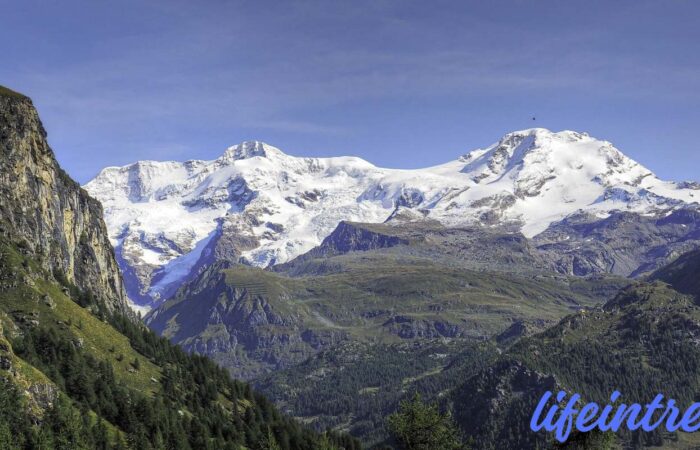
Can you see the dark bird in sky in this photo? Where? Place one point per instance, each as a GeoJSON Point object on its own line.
{"type": "Point", "coordinates": [533, 118]}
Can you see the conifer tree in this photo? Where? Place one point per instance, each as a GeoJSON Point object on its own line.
{"type": "Point", "coordinates": [419, 426]}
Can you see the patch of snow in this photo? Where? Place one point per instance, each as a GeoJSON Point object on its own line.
{"type": "Point", "coordinates": [178, 268]}
{"type": "Point", "coordinates": [140, 309]}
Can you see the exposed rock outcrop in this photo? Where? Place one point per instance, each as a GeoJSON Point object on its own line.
{"type": "Point", "coordinates": [48, 214]}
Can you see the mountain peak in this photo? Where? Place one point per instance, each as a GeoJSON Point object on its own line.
{"type": "Point", "coordinates": [549, 151]}
{"type": "Point", "coordinates": [521, 141]}
{"type": "Point", "coordinates": [538, 131]}
{"type": "Point", "coordinates": [250, 149]}
{"type": "Point", "coordinates": [541, 138]}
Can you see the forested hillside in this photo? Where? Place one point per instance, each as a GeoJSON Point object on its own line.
{"type": "Point", "coordinates": [641, 343]}
{"type": "Point", "coordinates": [77, 369]}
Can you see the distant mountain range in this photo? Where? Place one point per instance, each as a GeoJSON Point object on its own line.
{"type": "Point", "coordinates": [257, 206]}
{"type": "Point", "coordinates": [308, 274]}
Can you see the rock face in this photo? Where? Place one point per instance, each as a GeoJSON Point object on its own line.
{"type": "Point", "coordinates": [351, 237]}
{"type": "Point", "coordinates": [242, 321]}
{"type": "Point", "coordinates": [48, 214]}
{"type": "Point", "coordinates": [624, 243]}
{"type": "Point", "coordinates": [411, 328]}
{"type": "Point", "coordinates": [263, 207]}
{"type": "Point", "coordinates": [347, 238]}
{"type": "Point", "coordinates": [683, 274]}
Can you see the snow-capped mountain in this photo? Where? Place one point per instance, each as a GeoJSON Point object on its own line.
{"type": "Point", "coordinates": [257, 205]}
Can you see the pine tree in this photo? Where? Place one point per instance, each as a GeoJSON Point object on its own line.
{"type": "Point", "coordinates": [418, 426]}
{"type": "Point", "coordinates": [67, 426]}
{"type": "Point", "coordinates": [6, 439]}
{"type": "Point", "coordinates": [269, 442]}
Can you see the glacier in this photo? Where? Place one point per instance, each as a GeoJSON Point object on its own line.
{"type": "Point", "coordinates": [164, 218]}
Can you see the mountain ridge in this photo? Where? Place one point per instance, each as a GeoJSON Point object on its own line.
{"type": "Point", "coordinates": [165, 218]}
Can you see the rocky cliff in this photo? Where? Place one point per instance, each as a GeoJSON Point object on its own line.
{"type": "Point", "coordinates": [46, 213]}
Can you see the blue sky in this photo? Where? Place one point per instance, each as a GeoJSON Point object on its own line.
{"type": "Point", "coordinates": [400, 83]}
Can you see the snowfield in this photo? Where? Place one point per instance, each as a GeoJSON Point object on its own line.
{"type": "Point", "coordinates": [162, 216]}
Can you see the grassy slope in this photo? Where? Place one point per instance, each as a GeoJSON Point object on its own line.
{"type": "Point", "coordinates": [369, 288]}
{"type": "Point", "coordinates": [27, 301]}
{"type": "Point", "coordinates": [435, 281]}
{"type": "Point", "coordinates": [9, 93]}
